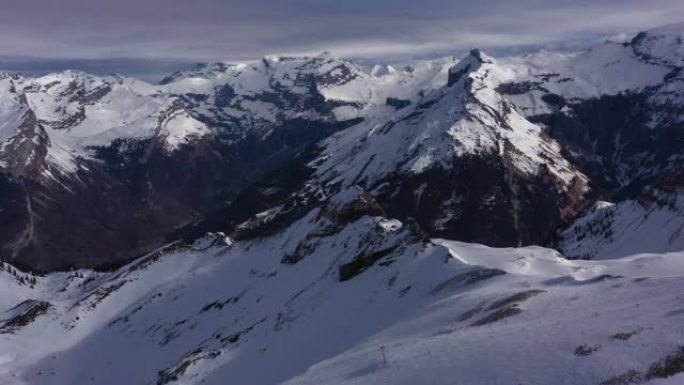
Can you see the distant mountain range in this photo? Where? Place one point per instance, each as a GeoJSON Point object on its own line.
{"type": "Point", "coordinates": [506, 152]}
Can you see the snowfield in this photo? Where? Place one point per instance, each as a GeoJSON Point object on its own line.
{"type": "Point", "coordinates": [345, 295]}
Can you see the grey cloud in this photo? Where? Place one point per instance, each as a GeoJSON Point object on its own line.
{"type": "Point", "coordinates": [206, 30]}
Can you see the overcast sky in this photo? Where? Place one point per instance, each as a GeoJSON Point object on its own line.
{"type": "Point", "coordinates": [138, 35]}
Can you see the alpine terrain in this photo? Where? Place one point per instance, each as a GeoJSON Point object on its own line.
{"type": "Point", "coordinates": [308, 220]}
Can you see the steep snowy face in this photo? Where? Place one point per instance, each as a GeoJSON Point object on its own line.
{"type": "Point", "coordinates": [224, 304]}
{"type": "Point", "coordinates": [546, 129]}
{"type": "Point", "coordinates": [23, 142]}
{"type": "Point", "coordinates": [462, 152]}
{"type": "Point", "coordinates": [615, 109]}
{"type": "Point", "coordinates": [359, 297]}
{"type": "Point", "coordinates": [80, 112]}
{"type": "Point", "coordinates": [12, 111]}
{"type": "Point", "coordinates": [664, 45]}
{"type": "Point", "coordinates": [468, 117]}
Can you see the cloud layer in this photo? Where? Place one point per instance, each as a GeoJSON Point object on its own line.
{"type": "Point", "coordinates": [206, 30]}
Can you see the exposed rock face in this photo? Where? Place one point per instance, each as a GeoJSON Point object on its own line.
{"type": "Point", "coordinates": [615, 141]}
{"type": "Point", "coordinates": [397, 103]}
{"type": "Point", "coordinates": [108, 214]}
{"type": "Point", "coordinates": [351, 205]}
{"type": "Point", "coordinates": [471, 63]}
{"type": "Point", "coordinates": [481, 200]}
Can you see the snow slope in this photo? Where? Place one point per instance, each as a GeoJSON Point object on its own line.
{"type": "Point", "coordinates": [575, 328]}
{"type": "Point", "coordinates": [466, 117]}
{"type": "Point", "coordinates": [345, 295]}
{"type": "Point", "coordinates": [11, 111]}
{"type": "Point", "coordinates": [491, 101]}
{"type": "Point", "coordinates": [564, 128]}
{"type": "Point", "coordinates": [614, 230]}
{"type": "Point", "coordinates": [80, 111]}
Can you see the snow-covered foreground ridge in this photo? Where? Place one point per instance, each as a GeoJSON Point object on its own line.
{"type": "Point", "coordinates": [347, 296]}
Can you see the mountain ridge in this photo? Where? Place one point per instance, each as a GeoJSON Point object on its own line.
{"type": "Point", "coordinates": [414, 301]}
{"type": "Point", "coordinates": [506, 134]}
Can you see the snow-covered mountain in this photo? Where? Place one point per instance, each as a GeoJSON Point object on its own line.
{"type": "Point", "coordinates": [346, 295]}
{"type": "Point", "coordinates": [501, 151]}
{"type": "Point", "coordinates": [511, 150]}
{"type": "Point", "coordinates": [153, 158]}
{"type": "Point", "coordinates": [464, 151]}
{"type": "Point", "coordinates": [80, 112]}
{"type": "Point", "coordinates": [347, 194]}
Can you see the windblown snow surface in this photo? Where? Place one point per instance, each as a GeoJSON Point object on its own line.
{"type": "Point", "coordinates": [344, 298]}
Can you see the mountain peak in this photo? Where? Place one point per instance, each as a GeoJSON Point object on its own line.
{"type": "Point", "coordinates": [470, 63]}
{"type": "Point", "coordinates": [480, 56]}
{"type": "Point", "coordinates": [662, 45]}
{"type": "Point", "coordinates": [326, 55]}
